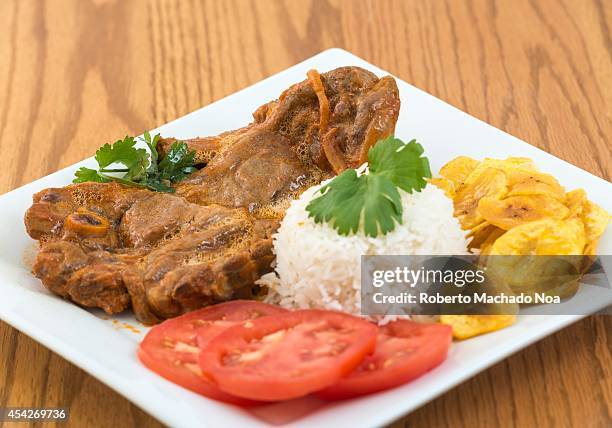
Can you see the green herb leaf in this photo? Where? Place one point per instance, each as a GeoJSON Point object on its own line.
{"type": "Point", "coordinates": [178, 163]}
{"type": "Point", "coordinates": [141, 167]}
{"type": "Point", "coordinates": [123, 152]}
{"type": "Point", "coordinates": [324, 209]}
{"type": "Point", "coordinates": [372, 199]}
{"type": "Point", "coordinates": [84, 174]}
{"type": "Point", "coordinates": [401, 163]}
{"type": "Point", "coordinates": [152, 145]}
{"type": "Point", "coordinates": [349, 199]}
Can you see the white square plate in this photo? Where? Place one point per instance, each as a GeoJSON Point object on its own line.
{"type": "Point", "coordinates": [106, 350]}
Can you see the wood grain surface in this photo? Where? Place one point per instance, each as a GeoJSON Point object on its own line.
{"type": "Point", "coordinates": [75, 74]}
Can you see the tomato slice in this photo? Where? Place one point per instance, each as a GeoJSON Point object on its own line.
{"type": "Point", "coordinates": [404, 350]}
{"type": "Point", "coordinates": [288, 355]}
{"type": "Point", "coordinates": [171, 348]}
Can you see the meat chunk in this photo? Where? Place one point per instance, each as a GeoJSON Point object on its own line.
{"type": "Point", "coordinates": [111, 246]}
{"type": "Point", "coordinates": [329, 121]}
{"type": "Point", "coordinates": [260, 168]}
{"type": "Point", "coordinates": [170, 256]}
{"type": "Point", "coordinates": [316, 128]}
{"type": "Point", "coordinates": [155, 218]}
{"type": "Point", "coordinates": [51, 206]}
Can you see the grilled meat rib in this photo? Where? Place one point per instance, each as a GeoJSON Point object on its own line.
{"type": "Point", "coordinates": [110, 246]}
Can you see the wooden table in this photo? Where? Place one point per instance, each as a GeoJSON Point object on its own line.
{"type": "Point", "coordinates": [76, 74]}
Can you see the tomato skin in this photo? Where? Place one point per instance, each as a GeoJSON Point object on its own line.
{"type": "Point", "coordinates": [181, 366]}
{"type": "Point", "coordinates": [191, 381]}
{"type": "Point", "coordinates": [427, 346]}
{"type": "Point", "coordinates": [289, 355]}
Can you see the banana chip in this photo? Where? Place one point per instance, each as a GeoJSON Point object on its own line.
{"type": "Point", "coordinates": [483, 233]}
{"type": "Point", "coordinates": [590, 249]}
{"type": "Point", "coordinates": [487, 244]}
{"type": "Point", "coordinates": [489, 183]}
{"type": "Point", "coordinates": [513, 162]}
{"type": "Point", "coordinates": [479, 228]}
{"type": "Point", "coordinates": [516, 210]}
{"type": "Point", "coordinates": [500, 165]}
{"type": "Point", "coordinates": [510, 208]}
{"type": "Point", "coordinates": [575, 201]}
{"type": "Point", "coordinates": [526, 182]}
{"type": "Point", "coordinates": [542, 237]}
{"type": "Point", "coordinates": [494, 196]}
{"type": "Point", "coordinates": [595, 220]}
{"type": "Point", "coordinates": [466, 326]}
{"type": "Point", "coordinates": [458, 169]}
{"type": "Point", "coordinates": [445, 184]}
{"type": "Point", "coordinates": [566, 238]}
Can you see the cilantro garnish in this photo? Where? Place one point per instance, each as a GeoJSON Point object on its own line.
{"type": "Point", "coordinates": [139, 167]}
{"type": "Point", "coordinates": [373, 199]}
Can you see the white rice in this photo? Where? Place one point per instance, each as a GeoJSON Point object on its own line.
{"type": "Point", "coordinates": [317, 268]}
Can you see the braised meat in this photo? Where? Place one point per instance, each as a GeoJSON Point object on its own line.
{"type": "Point", "coordinates": [259, 169]}
{"type": "Point", "coordinates": [329, 120]}
{"type": "Point", "coordinates": [315, 129]}
{"type": "Point", "coordinates": [111, 246]}
{"type": "Point", "coordinates": [169, 255]}
{"type": "Point", "coordinates": [163, 254]}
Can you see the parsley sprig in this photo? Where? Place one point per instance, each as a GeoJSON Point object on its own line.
{"type": "Point", "coordinates": [139, 167]}
{"type": "Point", "coordinates": [373, 199]}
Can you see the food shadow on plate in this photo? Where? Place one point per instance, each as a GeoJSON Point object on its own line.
{"type": "Point", "coordinates": [288, 411]}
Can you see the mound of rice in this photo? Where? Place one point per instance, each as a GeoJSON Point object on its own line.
{"type": "Point", "coordinates": [317, 268]}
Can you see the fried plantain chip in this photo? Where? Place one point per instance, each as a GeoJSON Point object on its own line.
{"type": "Point", "coordinates": [524, 182]}
{"type": "Point", "coordinates": [501, 165]}
{"type": "Point", "coordinates": [458, 169]}
{"type": "Point", "coordinates": [494, 196]}
{"type": "Point", "coordinates": [574, 201]}
{"type": "Point", "coordinates": [516, 210]}
{"type": "Point", "coordinates": [590, 249]}
{"type": "Point", "coordinates": [478, 228]}
{"type": "Point", "coordinates": [481, 234]}
{"type": "Point", "coordinates": [522, 162]}
{"type": "Point", "coordinates": [595, 220]}
{"type": "Point", "coordinates": [487, 244]}
{"type": "Point", "coordinates": [466, 326]}
{"type": "Point", "coordinates": [511, 208]}
{"type": "Point", "coordinates": [490, 182]}
{"type": "Point", "coordinates": [542, 237]}
{"type": "Point", "coordinates": [567, 237]}
{"type": "Point", "coordinates": [445, 184]}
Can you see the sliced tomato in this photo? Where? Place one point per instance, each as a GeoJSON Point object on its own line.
{"type": "Point", "coordinates": [288, 355]}
{"type": "Point", "coordinates": [171, 348]}
{"type": "Point", "coordinates": [404, 350]}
